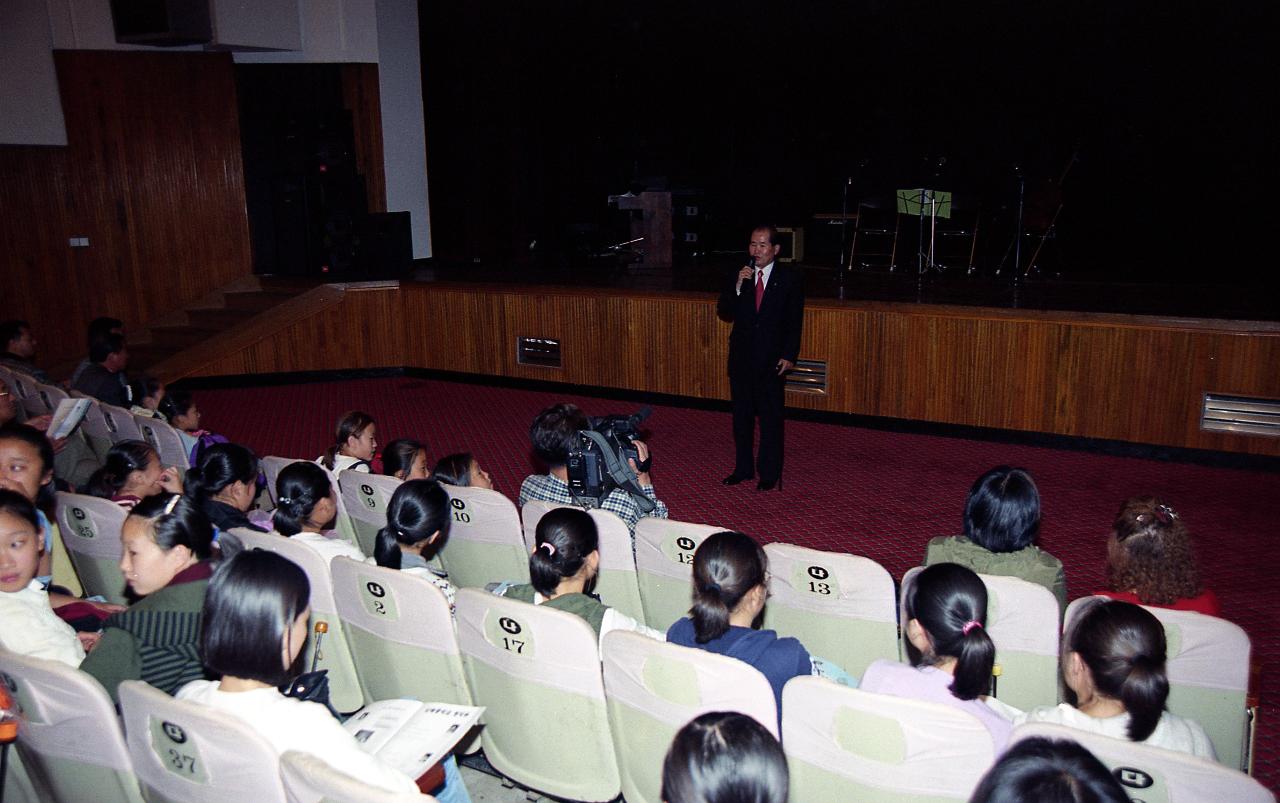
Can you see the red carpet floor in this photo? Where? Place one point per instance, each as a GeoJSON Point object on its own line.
{"type": "Point", "coordinates": [873, 493]}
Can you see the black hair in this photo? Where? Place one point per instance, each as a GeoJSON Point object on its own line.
{"type": "Point", "coordinates": [177, 521]}
{"type": "Point", "coordinates": [565, 537]}
{"type": "Point", "coordinates": [398, 456]}
{"type": "Point", "coordinates": [1124, 647]}
{"type": "Point", "coordinates": [37, 440]}
{"type": "Point", "coordinates": [724, 757]}
{"type": "Point", "coordinates": [123, 459]}
{"type": "Point", "coordinates": [771, 230]}
{"type": "Point", "coordinates": [418, 510]}
{"type": "Point", "coordinates": [145, 386]}
{"type": "Point", "coordinates": [299, 487]}
{"type": "Point", "coordinates": [104, 345]}
{"type": "Point", "coordinates": [220, 465]}
{"type": "Point", "coordinates": [12, 330]}
{"type": "Point", "coordinates": [454, 469]}
{"type": "Point", "coordinates": [554, 432]}
{"type": "Point", "coordinates": [174, 404]}
{"type": "Point", "coordinates": [350, 424]}
{"type": "Point", "coordinates": [15, 504]}
{"type": "Point", "coordinates": [1002, 513]}
{"type": "Point", "coordinates": [102, 326]}
{"type": "Point", "coordinates": [950, 603]}
{"type": "Point", "coordinates": [1048, 771]}
{"type": "Point", "coordinates": [252, 602]}
{"type": "Point", "coordinates": [726, 566]}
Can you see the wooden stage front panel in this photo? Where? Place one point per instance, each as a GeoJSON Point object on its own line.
{"type": "Point", "coordinates": [1127, 378]}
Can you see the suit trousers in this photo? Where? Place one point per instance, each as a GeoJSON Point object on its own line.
{"type": "Point", "coordinates": [757, 395]}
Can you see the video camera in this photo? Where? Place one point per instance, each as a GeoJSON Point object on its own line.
{"type": "Point", "coordinates": [599, 461]}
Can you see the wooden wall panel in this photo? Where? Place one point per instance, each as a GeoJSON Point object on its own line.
{"type": "Point", "coordinates": [151, 175]}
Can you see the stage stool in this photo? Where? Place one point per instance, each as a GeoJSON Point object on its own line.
{"type": "Point", "coordinates": [1208, 668]}
{"type": "Point", "coordinates": [485, 544]}
{"type": "Point", "coordinates": [335, 654]}
{"type": "Point", "coordinates": [366, 497]}
{"type": "Point", "coordinates": [308, 779]}
{"type": "Point", "coordinates": [1022, 620]}
{"type": "Point", "coordinates": [1153, 774]}
{"type": "Point", "coordinates": [165, 440]}
{"type": "Point", "coordinates": [653, 688]}
{"type": "Point", "coordinates": [537, 672]}
{"type": "Point", "coordinates": [90, 530]}
{"type": "Point", "coordinates": [845, 744]}
{"type": "Point", "coordinates": [875, 236]}
{"type": "Point", "coordinates": [184, 752]}
{"type": "Point", "coordinates": [664, 567]}
{"type": "Point", "coordinates": [70, 741]}
{"type": "Point", "coordinates": [842, 608]}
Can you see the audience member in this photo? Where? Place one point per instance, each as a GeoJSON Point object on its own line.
{"type": "Point", "coordinates": [148, 392]}
{"type": "Point", "coordinates": [725, 757]}
{"type": "Point", "coordinates": [462, 470]}
{"type": "Point", "coordinates": [132, 472]}
{"type": "Point", "coordinates": [730, 586]}
{"type": "Point", "coordinates": [26, 466]}
{"type": "Point", "coordinates": [1114, 665]}
{"type": "Point", "coordinates": [417, 521]}
{"type": "Point", "coordinates": [1048, 771]}
{"type": "Point", "coordinates": [951, 654]}
{"type": "Point", "coordinates": [224, 485]}
{"type": "Point", "coordinates": [1150, 560]}
{"type": "Point", "coordinates": [180, 410]}
{"type": "Point", "coordinates": [306, 505]}
{"type": "Point", "coordinates": [105, 379]}
{"type": "Point", "coordinates": [405, 459]}
{"type": "Point", "coordinates": [20, 350]}
{"type": "Point", "coordinates": [555, 434]}
{"type": "Point", "coordinates": [166, 544]}
{"type": "Point", "coordinates": [97, 328]}
{"type": "Point", "coordinates": [255, 630]}
{"type": "Point", "coordinates": [1001, 521]}
{"type": "Point", "coordinates": [354, 444]}
{"type": "Point", "coordinates": [28, 625]}
{"type": "Point", "coordinates": [563, 567]}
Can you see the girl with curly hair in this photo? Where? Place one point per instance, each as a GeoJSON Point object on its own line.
{"type": "Point", "coordinates": [1150, 560]}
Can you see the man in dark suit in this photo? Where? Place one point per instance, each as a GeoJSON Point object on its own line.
{"type": "Point", "coordinates": [765, 302]}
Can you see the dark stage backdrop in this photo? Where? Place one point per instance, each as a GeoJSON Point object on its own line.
{"type": "Point", "coordinates": [536, 112]}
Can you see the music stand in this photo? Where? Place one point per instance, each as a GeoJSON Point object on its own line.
{"type": "Point", "coordinates": [919, 202]}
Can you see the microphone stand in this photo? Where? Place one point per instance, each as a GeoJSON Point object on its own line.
{"type": "Point", "coordinates": [1017, 245]}
{"type": "Point", "coordinates": [844, 220]}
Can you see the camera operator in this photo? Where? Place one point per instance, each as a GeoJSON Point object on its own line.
{"type": "Point", "coordinates": [555, 434]}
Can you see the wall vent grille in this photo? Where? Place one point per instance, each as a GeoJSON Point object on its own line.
{"type": "Point", "coordinates": [542, 351]}
{"type": "Point", "coordinates": [1240, 414]}
{"type": "Point", "coordinates": [809, 376]}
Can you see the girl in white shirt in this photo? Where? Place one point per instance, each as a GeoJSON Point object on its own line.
{"type": "Point", "coordinates": [306, 505]}
{"type": "Point", "coordinates": [1114, 663]}
{"type": "Point", "coordinates": [417, 520]}
{"type": "Point", "coordinates": [355, 442]}
{"type": "Point", "coordinates": [28, 625]}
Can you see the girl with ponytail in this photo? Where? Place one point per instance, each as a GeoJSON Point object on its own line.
{"type": "Point", "coordinates": [306, 505]}
{"type": "Point", "coordinates": [355, 442]}
{"type": "Point", "coordinates": [1114, 665]}
{"type": "Point", "coordinates": [132, 472]}
{"type": "Point", "coordinates": [224, 485]}
{"type": "Point", "coordinates": [417, 521]}
{"type": "Point", "coordinates": [945, 612]}
{"type": "Point", "coordinates": [563, 567]}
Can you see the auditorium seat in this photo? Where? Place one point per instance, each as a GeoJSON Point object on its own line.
{"type": "Point", "coordinates": [842, 607]}
{"type": "Point", "coordinates": [90, 530]}
{"type": "Point", "coordinates": [124, 427]}
{"type": "Point", "coordinates": [308, 779]}
{"type": "Point", "coordinates": [1154, 775]}
{"type": "Point", "coordinates": [342, 525]}
{"type": "Point", "coordinates": [96, 430]}
{"type": "Point", "coordinates": [653, 688]}
{"type": "Point", "coordinates": [537, 672]}
{"type": "Point", "coordinates": [1208, 668]}
{"type": "Point", "coordinates": [664, 565]}
{"type": "Point", "coordinates": [485, 544]}
{"type": "Point", "coordinates": [271, 468]}
{"type": "Point", "coordinates": [165, 440]}
{"type": "Point", "coordinates": [70, 740]}
{"type": "Point", "coordinates": [183, 752]}
{"type": "Point", "coordinates": [1023, 621]}
{"type": "Point", "coordinates": [845, 744]}
{"type": "Point", "coordinates": [366, 497]}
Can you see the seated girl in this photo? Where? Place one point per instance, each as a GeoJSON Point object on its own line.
{"type": "Point", "coordinates": [564, 564]}
{"type": "Point", "coordinates": [951, 654]}
{"type": "Point", "coordinates": [133, 472]}
{"type": "Point", "coordinates": [182, 414]}
{"type": "Point", "coordinates": [148, 392]}
{"type": "Point", "coordinates": [354, 444]}
{"type": "Point", "coordinates": [26, 467]}
{"type": "Point", "coordinates": [255, 629]}
{"type": "Point", "coordinates": [28, 625]}
{"type": "Point", "coordinates": [1114, 665]}
{"type": "Point", "coordinates": [1001, 521]}
{"type": "Point", "coordinates": [725, 756]}
{"type": "Point", "coordinates": [224, 485]}
{"type": "Point", "coordinates": [417, 521]}
{"type": "Point", "coordinates": [166, 543]}
{"type": "Point", "coordinates": [461, 470]}
{"type": "Point", "coordinates": [306, 505]}
{"type": "Point", "coordinates": [405, 459]}
{"type": "Point", "coordinates": [1150, 560]}
{"type": "Point", "coordinates": [730, 586]}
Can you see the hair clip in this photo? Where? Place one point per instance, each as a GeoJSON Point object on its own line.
{"type": "Point", "coordinates": [969, 626]}
{"type": "Point", "coordinates": [1167, 511]}
{"type": "Point", "coordinates": [550, 547]}
{"type": "Point", "coordinates": [173, 502]}
{"type": "Point", "coordinates": [284, 500]}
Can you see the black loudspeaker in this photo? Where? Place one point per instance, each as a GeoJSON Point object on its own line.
{"type": "Point", "coordinates": [384, 246]}
{"type": "Point", "coordinates": [162, 23]}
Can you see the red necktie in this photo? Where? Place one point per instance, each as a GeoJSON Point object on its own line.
{"type": "Point", "coordinates": [759, 288]}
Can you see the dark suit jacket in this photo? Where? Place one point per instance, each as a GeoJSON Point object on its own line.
{"type": "Point", "coordinates": [760, 339]}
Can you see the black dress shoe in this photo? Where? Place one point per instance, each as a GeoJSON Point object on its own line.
{"type": "Point", "coordinates": [735, 478]}
{"type": "Point", "coordinates": [769, 485]}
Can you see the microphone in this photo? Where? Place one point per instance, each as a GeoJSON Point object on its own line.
{"type": "Point", "coordinates": [751, 263]}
